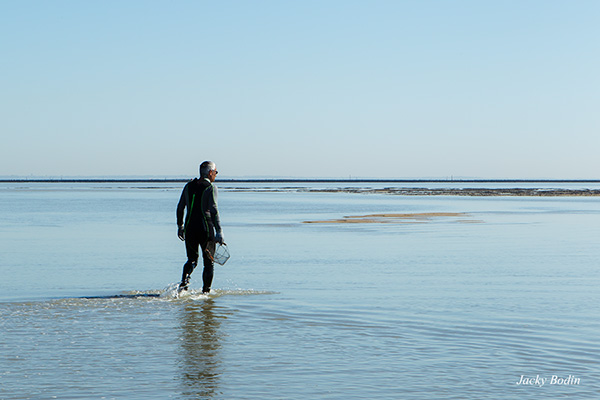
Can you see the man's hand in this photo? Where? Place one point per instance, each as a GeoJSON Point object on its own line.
{"type": "Point", "coordinates": [180, 233]}
{"type": "Point", "coordinates": [219, 238]}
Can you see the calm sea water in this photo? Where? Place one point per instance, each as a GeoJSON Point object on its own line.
{"type": "Point", "coordinates": [455, 307]}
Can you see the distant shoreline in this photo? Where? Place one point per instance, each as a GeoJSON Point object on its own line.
{"type": "Point", "coordinates": [395, 186]}
{"type": "Point", "coordinates": [299, 180]}
{"type": "Point", "coordinates": [473, 192]}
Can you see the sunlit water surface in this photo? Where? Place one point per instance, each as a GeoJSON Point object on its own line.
{"type": "Point", "coordinates": [457, 307]}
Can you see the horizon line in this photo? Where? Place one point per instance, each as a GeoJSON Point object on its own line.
{"type": "Point", "coordinates": [293, 180]}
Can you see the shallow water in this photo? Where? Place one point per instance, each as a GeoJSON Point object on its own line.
{"type": "Point", "coordinates": [453, 308]}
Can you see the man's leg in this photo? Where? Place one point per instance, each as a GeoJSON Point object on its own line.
{"type": "Point", "coordinates": [207, 275]}
{"type": "Point", "coordinates": [188, 268]}
{"type": "Point", "coordinates": [209, 269]}
{"type": "Point", "coordinates": [191, 248]}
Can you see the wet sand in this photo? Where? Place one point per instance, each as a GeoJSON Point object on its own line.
{"type": "Point", "coordinates": [406, 218]}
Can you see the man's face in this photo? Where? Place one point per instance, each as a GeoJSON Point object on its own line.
{"type": "Point", "coordinates": [212, 175]}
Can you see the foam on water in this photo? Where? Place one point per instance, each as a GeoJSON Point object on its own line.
{"type": "Point", "coordinates": [171, 292]}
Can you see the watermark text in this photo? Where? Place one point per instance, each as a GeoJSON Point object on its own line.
{"type": "Point", "coordinates": [540, 381]}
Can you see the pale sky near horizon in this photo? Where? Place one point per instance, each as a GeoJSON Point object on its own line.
{"type": "Point", "coordinates": [322, 89]}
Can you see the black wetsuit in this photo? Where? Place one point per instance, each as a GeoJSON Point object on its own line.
{"type": "Point", "coordinates": [202, 221]}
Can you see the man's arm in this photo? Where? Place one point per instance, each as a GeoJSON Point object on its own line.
{"type": "Point", "coordinates": [181, 206]}
{"type": "Point", "coordinates": [211, 212]}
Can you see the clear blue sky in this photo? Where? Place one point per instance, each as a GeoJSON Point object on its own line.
{"type": "Point", "coordinates": [324, 89]}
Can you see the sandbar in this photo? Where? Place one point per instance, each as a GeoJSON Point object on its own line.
{"type": "Point", "coordinates": [403, 218]}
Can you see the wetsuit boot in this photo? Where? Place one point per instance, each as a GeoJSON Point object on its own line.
{"type": "Point", "coordinates": [188, 268]}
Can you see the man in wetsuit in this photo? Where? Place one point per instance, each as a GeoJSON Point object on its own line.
{"type": "Point", "coordinates": [202, 224]}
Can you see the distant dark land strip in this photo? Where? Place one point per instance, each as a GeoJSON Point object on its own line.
{"type": "Point", "coordinates": [392, 190]}
{"type": "Point", "coordinates": [403, 191]}
{"type": "Point", "coordinates": [293, 180]}
{"type": "Point", "coordinates": [468, 191]}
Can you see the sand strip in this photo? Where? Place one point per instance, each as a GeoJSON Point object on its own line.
{"type": "Point", "coordinates": [405, 218]}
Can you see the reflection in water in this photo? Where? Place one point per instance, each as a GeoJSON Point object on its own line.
{"type": "Point", "coordinates": [200, 343]}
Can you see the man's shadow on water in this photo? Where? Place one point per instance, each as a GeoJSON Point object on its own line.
{"type": "Point", "coordinates": [200, 338]}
